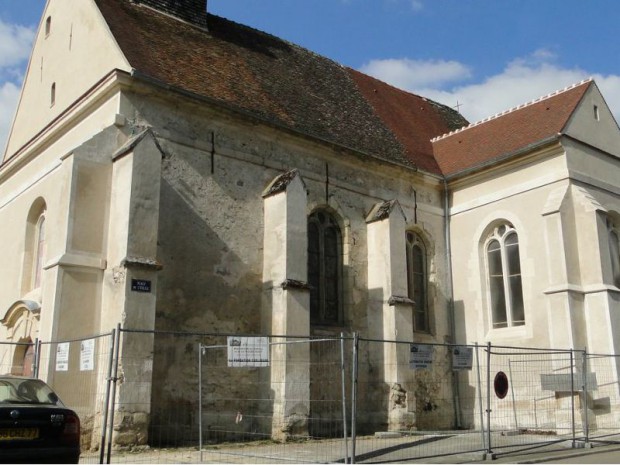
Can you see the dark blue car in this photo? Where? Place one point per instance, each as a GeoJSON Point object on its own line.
{"type": "Point", "coordinates": [35, 426]}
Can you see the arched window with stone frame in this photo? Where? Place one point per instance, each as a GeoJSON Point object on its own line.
{"type": "Point", "coordinates": [34, 246]}
{"type": "Point", "coordinates": [417, 280]}
{"type": "Point", "coordinates": [614, 250]}
{"type": "Point", "coordinates": [39, 251]}
{"type": "Point", "coordinates": [504, 277]}
{"type": "Point", "coordinates": [325, 268]}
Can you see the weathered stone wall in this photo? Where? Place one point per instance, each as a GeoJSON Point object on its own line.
{"type": "Point", "coordinates": [214, 171]}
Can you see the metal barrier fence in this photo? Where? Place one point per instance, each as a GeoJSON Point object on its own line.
{"type": "Point", "coordinates": [78, 371]}
{"type": "Point", "coordinates": [167, 397]}
{"type": "Point", "coordinates": [601, 402]}
{"type": "Point", "coordinates": [530, 398]}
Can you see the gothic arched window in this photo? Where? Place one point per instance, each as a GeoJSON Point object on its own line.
{"type": "Point", "coordinates": [324, 268]}
{"type": "Point", "coordinates": [417, 278]}
{"type": "Point", "coordinates": [504, 268]}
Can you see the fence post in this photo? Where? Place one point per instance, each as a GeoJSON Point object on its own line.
{"type": "Point", "coordinates": [489, 450]}
{"type": "Point", "coordinates": [37, 355]}
{"type": "Point", "coordinates": [586, 426]}
{"type": "Point", "coordinates": [114, 381]}
{"type": "Point", "coordinates": [200, 353]}
{"type": "Point", "coordinates": [104, 423]}
{"type": "Point", "coordinates": [484, 439]}
{"type": "Point", "coordinates": [354, 395]}
{"type": "Point", "coordinates": [512, 392]}
{"type": "Point", "coordinates": [344, 399]}
{"type": "Point", "coordinates": [572, 394]}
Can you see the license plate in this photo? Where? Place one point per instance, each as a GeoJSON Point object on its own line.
{"type": "Point", "coordinates": [7, 434]}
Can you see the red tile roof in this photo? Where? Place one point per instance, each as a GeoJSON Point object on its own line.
{"type": "Point", "coordinates": [279, 82]}
{"type": "Point", "coordinates": [507, 133]}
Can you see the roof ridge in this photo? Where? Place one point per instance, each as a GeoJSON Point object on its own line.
{"type": "Point", "coordinates": [513, 109]}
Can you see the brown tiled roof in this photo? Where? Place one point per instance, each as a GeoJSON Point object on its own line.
{"type": "Point", "coordinates": [279, 82]}
{"type": "Point", "coordinates": [505, 134]}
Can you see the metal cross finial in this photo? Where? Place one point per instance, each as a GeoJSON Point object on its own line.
{"type": "Point", "coordinates": [458, 106]}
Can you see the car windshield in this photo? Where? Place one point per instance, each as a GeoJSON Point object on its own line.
{"type": "Point", "coordinates": [26, 391]}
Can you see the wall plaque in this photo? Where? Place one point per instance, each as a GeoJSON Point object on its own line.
{"type": "Point", "coordinates": [140, 285]}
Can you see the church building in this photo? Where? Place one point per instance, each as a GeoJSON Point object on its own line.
{"type": "Point", "coordinates": [257, 188]}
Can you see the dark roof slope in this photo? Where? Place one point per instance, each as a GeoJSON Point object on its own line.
{"type": "Point", "coordinates": [279, 82]}
{"type": "Point", "coordinates": [507, 133]}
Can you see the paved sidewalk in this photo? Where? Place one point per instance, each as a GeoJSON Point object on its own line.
{"type": "Point", "coordinates": [428, 449]}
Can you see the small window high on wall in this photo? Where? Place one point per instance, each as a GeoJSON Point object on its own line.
{"type": "Point", "coordinates": [324, 268]}
{"type": "Point", "coordinates": [504, 277]}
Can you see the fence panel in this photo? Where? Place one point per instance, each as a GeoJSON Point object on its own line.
{"type": "Point", "coordinates": [220, 398]}
{"type": "Point", "coordinates": [77, 371]}
{"type": "Point", "coordinates": [531, 399]}
{"type": "Point", "coordinates": [602, 398]}
{"type": "Point", "coordinates": [289, 409]}
{"type": "Point", "coordinates": [414, 401]}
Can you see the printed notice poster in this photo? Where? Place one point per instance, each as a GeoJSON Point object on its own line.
{"type": "Point", "coordinates": [462, 358]}
{"type": "Point", "coordinates": [248, 351]}
{"type": "Point", "coordinates": [87, 355]}
{"type": "Point", "coordinates": [421, 356]}
{"type": "Point", "coordinates": [62, 357]}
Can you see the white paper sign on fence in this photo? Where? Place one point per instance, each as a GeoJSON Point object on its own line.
{"type": "Point", "coordinates": [248, 351]}
{"type": "Point", "coordinates": [462, 358]}
{"type": "Point", "coordinates": [87, 355]}
{"type": "Point", "coordinates": [62, 356]}
{"type": "Point", "coordinates": [420, 356]}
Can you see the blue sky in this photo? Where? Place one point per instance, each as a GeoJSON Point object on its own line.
{"type": "Point", "coordinates": [485, 55]}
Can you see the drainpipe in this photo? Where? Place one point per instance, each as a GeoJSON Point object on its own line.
{"type": "Point", "coordinates": [450, 296]}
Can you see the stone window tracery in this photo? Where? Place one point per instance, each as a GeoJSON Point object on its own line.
{"type": "Point", "coordinates": [504, 277]}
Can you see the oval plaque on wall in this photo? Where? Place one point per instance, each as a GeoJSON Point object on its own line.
{"type": "Point", "coordinates": [500, 384]}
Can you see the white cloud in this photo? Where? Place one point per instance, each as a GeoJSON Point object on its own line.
{"type": "Point", "coordinates": [411, 74]}
{"type": "Point", "coordinates": [15, 44]}
{"type": "Point", "coordinates": [416, 5]}
{"type": "Point", "coordinates": [522, 80]}
{"type": "Point", "coordinates": [9, 94]}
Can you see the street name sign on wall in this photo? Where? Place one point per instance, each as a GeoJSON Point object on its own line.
{"type": "Point", "coordinates": [140, 285]}
{"type": "Point", "coordinates": [248, 351]}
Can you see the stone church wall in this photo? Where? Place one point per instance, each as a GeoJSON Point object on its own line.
{"type": "Point", "coordinates": [214, 171]}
